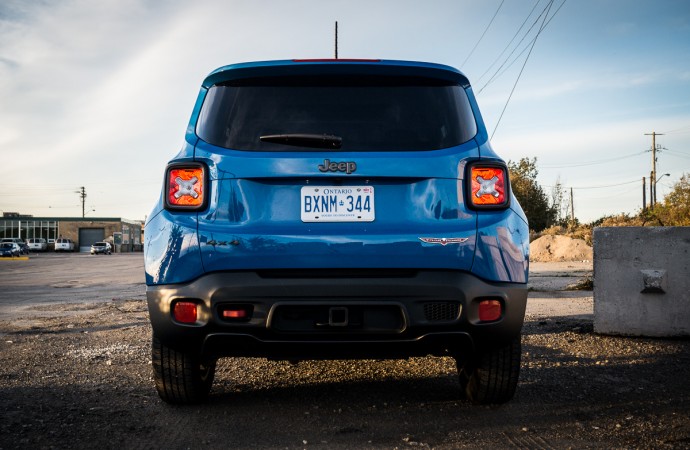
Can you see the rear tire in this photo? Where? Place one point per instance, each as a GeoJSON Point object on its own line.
{"type": "Point", "coordinates": [181, 378]}
{"type": "Point", "coordinates": [492, 376]}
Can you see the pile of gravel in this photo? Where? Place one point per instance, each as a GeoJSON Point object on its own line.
{"type": "Point", "coordinates": [559, 248]}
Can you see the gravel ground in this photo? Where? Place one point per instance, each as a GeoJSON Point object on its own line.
{"type": "Point", "coordinates": [81, 378]}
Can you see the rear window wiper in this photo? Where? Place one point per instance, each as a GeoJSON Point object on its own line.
{"type": "Point", "coordinates": [305, 140]}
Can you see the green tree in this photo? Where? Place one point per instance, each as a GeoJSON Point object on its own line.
{"type": "Point", "coordinates": [675, 209]}
{"type": "Point", "coordinates": [532, 198]}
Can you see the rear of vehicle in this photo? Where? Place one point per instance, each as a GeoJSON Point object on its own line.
{"type": "Point", "coordinates": [336, 209]}
{"type": "Point", "coordinates": [64, 245]}
{"type": "Point", "coordinates": [37, 244]}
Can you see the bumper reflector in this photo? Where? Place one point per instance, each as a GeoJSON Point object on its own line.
{"type": "Point", "coordinates": [185, 312]}
{"type": "Point", "coordinates": [236, 312]}
{"type": "Point", "coordinates": [489, 310]}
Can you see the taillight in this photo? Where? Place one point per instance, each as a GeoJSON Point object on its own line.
{"type": "Point", "coordinates": [186, 186]}
{"type": "Point", "coordinates": [185, 312]}
{"type": "Point", "coordinates": [489, 186]}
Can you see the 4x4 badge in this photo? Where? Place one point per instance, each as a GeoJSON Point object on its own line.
{"type": "Point", "coordinates": [347, 167]}
{"type": "Point", "coordinates": [443, 241]}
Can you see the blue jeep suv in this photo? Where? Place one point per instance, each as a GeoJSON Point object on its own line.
{"type": "Point", "coordinates": [333, 209]}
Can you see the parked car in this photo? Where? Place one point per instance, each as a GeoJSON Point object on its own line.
{"type": "Point", "coordinates": [327, 209]}
{"type": "Point", "coordinates": [23, 247]}
{"type": "Point", "coordinates": [64, 245]}
{"type": "Point", "coordinates": [9, 249]}
{"type": "Point", "coordinates": [38, 244]}
{"type": "Point", "coordinates": [101, 247]}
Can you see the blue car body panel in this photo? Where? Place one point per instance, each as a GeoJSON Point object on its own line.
{"type": "Point", "coordinates": [252, 220]}
{"type": "Point", "coordinates": [330, 67]}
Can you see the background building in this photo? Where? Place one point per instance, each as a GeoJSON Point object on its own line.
{"type": "Point", "coordinates": [124, 235]}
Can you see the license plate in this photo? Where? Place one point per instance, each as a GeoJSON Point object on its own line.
{"type": "Point", "coordinates": [337, 204]}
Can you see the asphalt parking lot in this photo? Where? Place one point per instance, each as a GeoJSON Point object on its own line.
{"type": "Point", "coordinates": [75, 373]}
{"type": "Point", "coordinates": [33, 288]}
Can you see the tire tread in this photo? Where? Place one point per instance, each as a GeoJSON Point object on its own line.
{"type": "Point", "coordinates": [180, 378]}
{"type": "Point", "coordinates": [492, 376]}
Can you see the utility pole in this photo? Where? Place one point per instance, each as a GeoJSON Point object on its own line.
{"type": "Point", "coordinates": [652, 178]}
{"type": "Point", "coordinates": [572, 206]}
{"type": "Point", "coordinates": [644, 194]}
{"type": "Point", "coordinates": [336, 39]}
{"type": "Point", "coordinates": [82, 195]}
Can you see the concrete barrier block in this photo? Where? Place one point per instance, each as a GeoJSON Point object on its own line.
{"type": "Point", "coordinates": [642, 281]}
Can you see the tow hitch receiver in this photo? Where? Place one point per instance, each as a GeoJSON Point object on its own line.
{"type": "Point", "coordinates": [338, 316]}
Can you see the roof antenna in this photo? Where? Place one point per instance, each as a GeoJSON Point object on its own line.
{"type": "Point", "coordinates": [336, 39]}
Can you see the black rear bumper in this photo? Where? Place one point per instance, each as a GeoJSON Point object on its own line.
{"type": "Point", "coordinates": [438, 344]}
{"type": "Point", "coordinates": [339, 314]}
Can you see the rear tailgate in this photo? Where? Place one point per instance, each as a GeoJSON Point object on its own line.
{"type": "Point", "coordinates": [256, 218]}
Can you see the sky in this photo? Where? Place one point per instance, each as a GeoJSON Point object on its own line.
{"type": "Point", "coordinates": [98, 93]}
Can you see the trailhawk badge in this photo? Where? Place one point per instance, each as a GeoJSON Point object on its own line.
{"type": "Point", "coordinates": [443, 241]}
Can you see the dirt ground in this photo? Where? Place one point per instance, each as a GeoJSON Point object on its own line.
{"type": "Point", "coordinates": [78, 375]}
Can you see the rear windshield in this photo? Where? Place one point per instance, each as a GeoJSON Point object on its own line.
{"type": "Point", "coordinates": [369, 114]}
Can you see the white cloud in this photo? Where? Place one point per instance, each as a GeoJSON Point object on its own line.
{"type": "Point", "coordinates": [98, 94]}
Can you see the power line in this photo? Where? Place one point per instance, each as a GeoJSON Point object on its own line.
{"type": "Point", "coordinates": [521, 70]}
{"type": "Point", "coordinates": [485, 30]}
{"type": "Point", "coordinates": [682, 129]}
{"type": "Point", "coordinates": [677, 154]}
{"type": "Point", "coordinates": [23, 204]}
{"type": "Point", "coordinates": [498, 73]}
{"type": "Point", "coordinates": [536, 21]}
{"type": "Point", "coordinates": [606, 186]}
{"type": "Point", "coordinates": [594, 187]}
{"type": "Point", "coordinates": [592, 163]}
{"type": "Point", "coordinates": [609, 196]}
{"type": "Point", "coordinates": [524, 49]}
{"type": "Point", "coordinates": [511, 41]}
{"type": "Point", "coordinates": [56, 188]}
